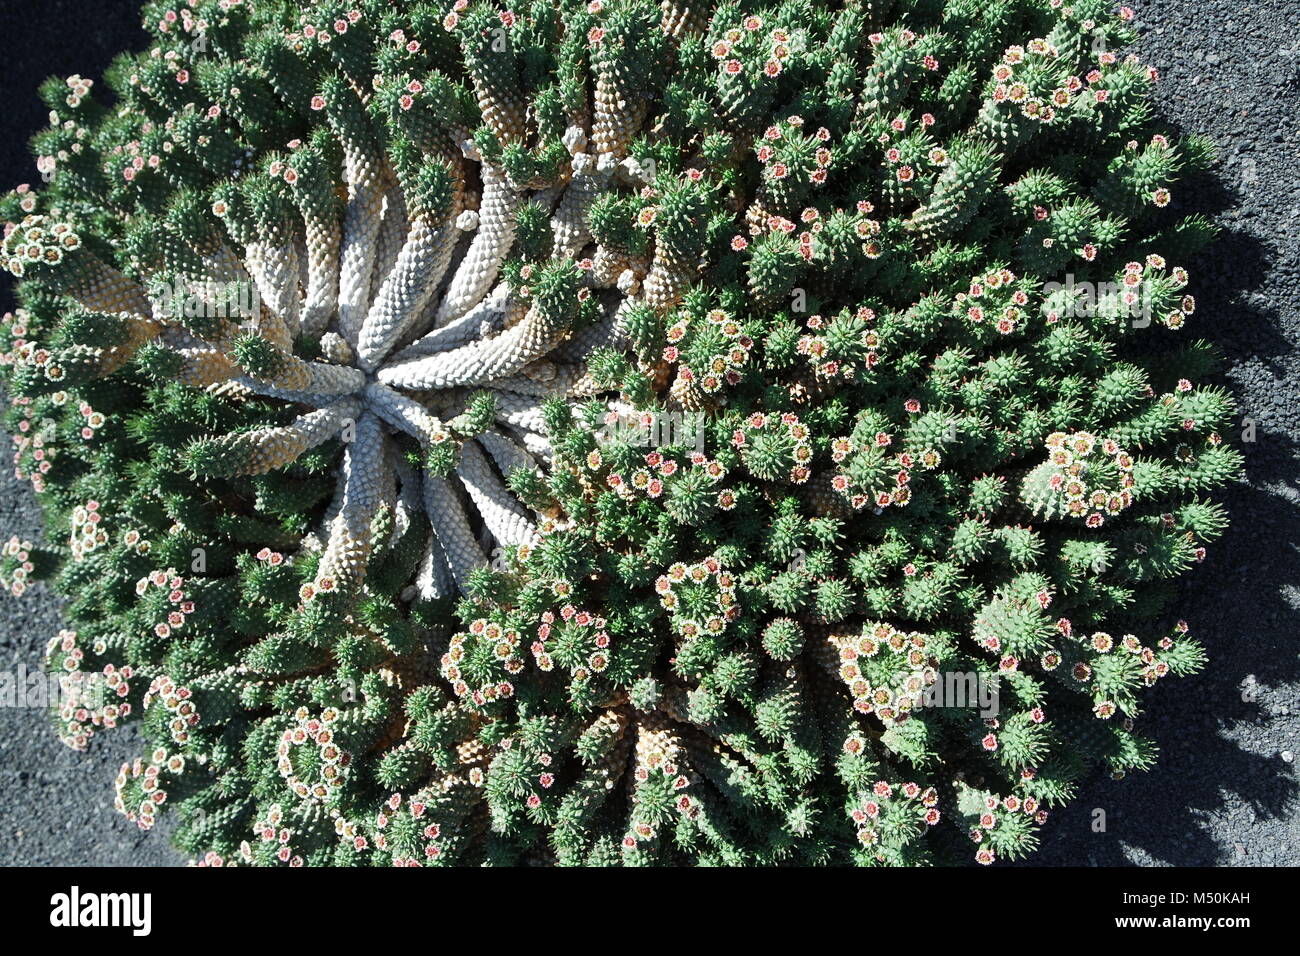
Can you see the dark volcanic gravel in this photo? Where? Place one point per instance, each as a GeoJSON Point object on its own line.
{"type": "Point", "coordinates": [1225, 790]}
{"type": "Point", "coordinates": [58, 806]}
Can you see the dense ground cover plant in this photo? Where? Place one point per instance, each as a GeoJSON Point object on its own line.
{"type": "Point", "coordinates": [596, 433]}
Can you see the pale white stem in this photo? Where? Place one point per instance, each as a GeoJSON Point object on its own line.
{"type": "Point", "coordinates": [501, 511]}
{"type": "Point", "coordinates": [459, 545]}
{"type": "Point", "coordinates": [496, 233]}
{"type": "Point", "coordinates": [361, 220]}
{"type": "Point", "coordinates": [478, 322]}
{"type": "Point", "coordinates": [405, 414]}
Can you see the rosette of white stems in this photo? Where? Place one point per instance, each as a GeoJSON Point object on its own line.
{"type": "Point", "coordinates": [413, 317]}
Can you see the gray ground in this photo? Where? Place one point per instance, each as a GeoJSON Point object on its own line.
{"type": "Point", "coordinates": [1225, 791]}
{"type": "Point", "coordinates": [58, 804]}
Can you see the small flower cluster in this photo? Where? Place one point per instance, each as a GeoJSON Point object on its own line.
{"type": "Point", "coordinates": [842, 347]}
{"type": "Point", "coordinates": [135, 540]}
{"type": "Point", "coordinates": [34, 453]}
{"type": "Point", "coordinates": [93, 421]}
{"type": "Point", "coordinates": [187, 21]}
{"type": "Point", "coordinates": [701, 598]}
{"type": "Point", "coordinates": [271, 832]}
{"type": "Point", "coordinates": [886, 670]}
{"type": "Point", "coordinates": [429, 831]}
{"type": "Point", "coordinates": [660, 467]}
{"type": "Point", "coordinates": [538, 797]}
{"type": "Point", "coordinates": [750, 52]}
{"type": "Point", "coordinates": [88, 533]}
{"type": "Point", "coordinates": [37, 240]}
{"type": "Point", "coordinates": [139, 791]}
{"type": "Point", "coordinates": [325, 32]}
{"type": "Point", "coordinates": [319, 777]}
{"type": "Point", "coordinates": [775, 447]}
{"type": "Point", "coordinates": [911, 154]}
{"type": "Point", "coordinates": [868, 230]}
{"type": "Point", "coordinates": [403, 828]}
{"type": "Point", "coordinates": [88, 699]}
{"type": "Point", "coordinates": [78, 88]}
{"type": "Point", "coordinates": [724, 365]}
{"type": "Point", "coordinates": [132, 153]}
{"type": "Point", "coordinates": [890, 815]}
{"type": "Point", "coordinates": [577, 641]}
{"type": "Point", "coordinates": [1027, 79]}
{"type": "Point", "coordinates": [1090, 652]}
{"type": "Point", "coordinates": [869, 475]}
{"type": "Point", "coordinates": [178, 702]}
{"type": "Point", "coordinates": [16, 565]}
{"type": "Point", "coordinates": [1000, 813]}
{"type": "Point", "coordinates": [1089, 478]}
{"type": "Point", "coordinates": [786, 150]}
{"type": "Point", "coordinates": [492, 653]}
{"type": "Point", "coordinates": [176, 602]}
{"type": "Point", "coordinates": [1152, 284]}
{"type": "Point", "coordinates": [995, 298]}
{"type": "Point", "coordinates": [658, 781]}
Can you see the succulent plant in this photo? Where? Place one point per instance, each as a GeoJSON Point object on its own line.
{"type": "Point", "coordinates": [614, 432]}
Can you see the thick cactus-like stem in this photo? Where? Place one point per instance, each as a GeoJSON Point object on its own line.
{"type": "Point", "coordinates": [501, 356]}
{"type": "Point", "coordinates": [501, 512]}
{"type": "Point", "coordinates": [459, 546]}
{"type": "Point", "coordinates": [202, 367]}
{"type": "Point", "coordinates": [569, 224]}
{"type": "Point", "coordinates": [484, 318]}
{"type": "Point", "coordinates": [404, 413]}
{"type": "Point", "coordinates": [361, 221]}
{"type": "Point", "coordinates": [480, 362]}
{"type": "Point", "coordinates": [343, 565]}
{"type": "Point", "coordinates": [261, 450]}
{"type": "Point", "coordinates": [274, 269]}
{"type": "Point", "coordinates": [402, 295]}
{"type": "Point", "coordinates": [323, 240]}
{"type": "Point", "coordinates": [496, 232]}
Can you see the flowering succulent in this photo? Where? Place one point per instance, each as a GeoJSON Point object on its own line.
{"type": "Point", "coordinates": [616, 431]}
{"type": "Point", "coordinates": [1082, 478]}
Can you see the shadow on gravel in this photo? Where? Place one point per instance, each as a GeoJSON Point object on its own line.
{"type": "Point", "coordinates": [1243, 602]}
{"type": "Point", "coordinates": [1242, 605]}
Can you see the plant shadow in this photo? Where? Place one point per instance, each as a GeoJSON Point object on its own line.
{"type": "Point", "coordinates": [1243, 602]}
